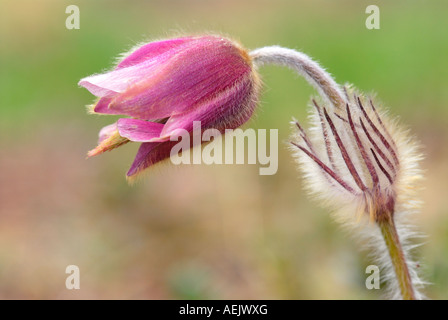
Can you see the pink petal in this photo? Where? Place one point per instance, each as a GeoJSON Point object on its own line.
{"type": "Point", "coordinates": [114, 82]}
{"type": "Point", "coordinates": [140, 130]}
{"type": "Point", "coordinates": [102, 106]}
{"type": "Point", "coordinates": [150, 50]}
{"type": "Point", "coordinates": [96, 89]}
{"type": "Point", "coordinates": [106, 132]}
{"type": "Point", "coordinates": [148, 154]}
{"type": "Point", "coordinates": [139, 65]}
{"type": "Point", "coordinates": [202, 69]}
{"type": "Point", "coordinates": [230, 109]}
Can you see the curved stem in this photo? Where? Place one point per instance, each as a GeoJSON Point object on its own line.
{"type": "Point", "coordinates": [390, 235]}
{"type": "Point", "coordinates": [306, 67]}
{"type": "Point", "coordinates": [327, 87]}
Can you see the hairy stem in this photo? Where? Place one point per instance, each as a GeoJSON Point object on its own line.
{"type": "Point", "coordinates": [397, 257]}
{"type": "Point", "coordinates": [306, 67]}
{"type": "Point", "coordinates": [328, 88]}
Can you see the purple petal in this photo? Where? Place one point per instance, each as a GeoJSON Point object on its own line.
{"type": "Point", "coordinates": [139, 65]}
{"type": "Point", "coordinates": [106, 132]}
{"type": "Point", "coordinates": [150, 50]}
{"type": "Point", "coordinates": [102, 106]}
{"type": "Point", "coordinates": [203, 68]}
{"type": "Point", "coordinates": [95, 89]}
{"type": "Point", "coordinates": [149, 154]}
{"type": "Point", "coordinates": [228, 110]}
{"type": "Point", "coordinates": [235, 107]}
{"type": "Point", "coordinates": [140, 130]}
{"type": "Point", "coordinates": [117, 81]}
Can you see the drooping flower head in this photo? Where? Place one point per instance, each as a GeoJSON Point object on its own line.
{"type": "Point", "coordinates": [353, 156]}
{"type": "Point", "coordinates": [163, 86]}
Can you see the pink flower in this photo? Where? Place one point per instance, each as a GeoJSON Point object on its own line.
{"type": "Point", "coordinates": [166, 85]}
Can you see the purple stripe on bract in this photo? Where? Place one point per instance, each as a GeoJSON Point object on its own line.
{"type": "Point", "coordinates": [377, 132]}
{"type": "Point", "coordinates": [376, 147]}
{"type": "Point", "coordinates": [325, 135]}
{"type": "Point", "coordinates": [326, 169]}
{"type": "Point", "coordinates": [362, 149]}
{"type": "Point", "coordinates": [348, 162]}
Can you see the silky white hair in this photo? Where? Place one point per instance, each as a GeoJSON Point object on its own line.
{"type": "Point", "coordinates": [355, 159]}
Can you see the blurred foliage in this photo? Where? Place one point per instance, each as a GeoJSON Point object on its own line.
{"type": "Point", "coordinates": [198, 232]}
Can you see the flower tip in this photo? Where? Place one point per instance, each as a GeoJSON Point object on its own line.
{"type": "Point", "coordinates": [108, 142]}
{"type": "Point", "coordinates": [91, 109]}
{"type": "Point", "coordinates": [134, 175]}
{"type": "Point", "coordinates": [132, 179]}
{"type": "Point", "coordinates": [94, 152]}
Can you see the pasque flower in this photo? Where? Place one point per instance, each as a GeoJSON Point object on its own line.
{"type": "Point", "coordinates": [361, 163]}
{"type": "Point", "coordinates": [163, 86]}
{"type": "Point", "coordinates": [353, 156]}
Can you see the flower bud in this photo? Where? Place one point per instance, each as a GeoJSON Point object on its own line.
{"type": "Point", "coordinates": [164, 86]}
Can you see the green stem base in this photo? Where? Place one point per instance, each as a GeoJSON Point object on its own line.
{"type": "Point", "coordinates": [393, 245]}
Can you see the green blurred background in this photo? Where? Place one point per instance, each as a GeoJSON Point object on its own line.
{"type": "Point", "coordinates": [201, 232]}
